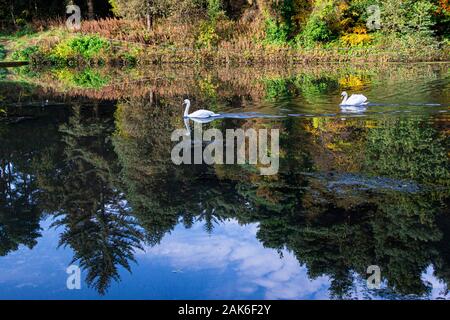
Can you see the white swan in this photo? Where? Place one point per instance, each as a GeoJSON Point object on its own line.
{"type": "Point", "coordinates": [353, 100]}
{"type": "Point", "coordinates": [199, 113]}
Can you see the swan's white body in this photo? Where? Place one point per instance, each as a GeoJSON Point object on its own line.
{"type": "Point", "coordinates": [200, 114]}
{"type": "Point", "coordinates": [353, 100]}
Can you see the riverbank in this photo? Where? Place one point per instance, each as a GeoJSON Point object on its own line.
{"type": "Point", "coordinates": [119, 42]}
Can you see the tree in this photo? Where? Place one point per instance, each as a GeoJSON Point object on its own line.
{"type": "Point", "coordinates": [90, 5]}
{"type": "Point", "coordinates": [141, 9]}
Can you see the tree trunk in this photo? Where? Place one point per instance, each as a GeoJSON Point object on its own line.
{"type": "Point", "coordinates": [12, 12]}
{"type": "Point", "coordinates": [90, 5]}
{"type": "Point", "coordinates": [149, 21]}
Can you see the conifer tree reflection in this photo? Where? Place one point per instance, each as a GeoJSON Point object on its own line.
{"type": "Point", "coordinates": [93, 212]}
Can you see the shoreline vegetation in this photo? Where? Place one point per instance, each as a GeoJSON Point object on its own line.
{"type": "Point", "coordinates": [219, 32]}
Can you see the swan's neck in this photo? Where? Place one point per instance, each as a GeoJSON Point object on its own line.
{"type": "Point", "coordinates": [186, 110]}
{"type": "Point", "coordinates": [344, 100]}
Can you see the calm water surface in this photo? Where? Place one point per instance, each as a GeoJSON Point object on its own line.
{"type": "Point", "coordinates": [86, 178]}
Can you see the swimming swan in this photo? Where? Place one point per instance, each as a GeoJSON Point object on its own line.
{"type": "Point", "coordinates": [353, 100]}
{"type": "Point", "coordinates": [199, 113]}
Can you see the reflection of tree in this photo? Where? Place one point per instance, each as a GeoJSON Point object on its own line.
{"type": "Point", "coordinates": [19, 214]}
{"type": "Point", "coordinates": [408, 149]}
{"type": "Point", "coordinates": [396, 232]}
{"type": "Point", "coordinates": [311, 87]}
{"type": "Point", "coordinates": [92, 211]}
{"type": "Point", "coordinates": [160, 192]}
{"type": "Point", "coordinates": [442, 261]}
{"type": "Point", "coordinates": [22, 153]}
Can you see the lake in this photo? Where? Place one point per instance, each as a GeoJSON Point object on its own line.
{"type": "Point", "coordinates": [87, 180]}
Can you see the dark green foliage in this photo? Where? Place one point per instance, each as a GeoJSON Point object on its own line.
{"type": "Point", "coordinates": [2, 52]}
{"type": "Point", "coordinates": [276, 32]}
{"type": "Point", "coordinates": [25, 54]}
{"type": "Point", "coordinates": [408, 149]}
{"type": "Point", "coordinates": [89, 79]}
{"type": "Point", "coordinates": [316, 30]}
{"type": "Point", "coordinates": [279, 22]}
{"type": "Point", "coordinates": [89, 49]}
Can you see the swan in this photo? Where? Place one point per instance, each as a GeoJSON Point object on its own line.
{"type": "Point", "coordinates": [199, 113]}
{"type": "Point", "coordinates": [353, 100]}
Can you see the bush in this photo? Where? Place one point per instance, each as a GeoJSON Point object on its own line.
{"type": "Point", "coordinates": [408, 16]}
{"type": "Point", "coordinates": [276, 33]}
{"type": "Point", "coordinates": [3, 74]}
{"type": "Point", "coordinates": [85, 47]}
{"type": "Point", "coordinates": [358, 38]}
{"type": "Point", "coordinates": [421, 17]}
{"type": "Point", "coordinates": [316, 30]}
{"type": "Point", "coordinates": [26, 54]}
{"type": "Point", "coordinates": [129, 59]}
{"type": "Point", "coordinates": [207, 36]}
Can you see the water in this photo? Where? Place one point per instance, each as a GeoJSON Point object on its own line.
{"type": "Point", "coordinates": [86, 178]}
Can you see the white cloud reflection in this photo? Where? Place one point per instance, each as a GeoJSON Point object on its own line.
{"type": "Point", "coordinates": [234, 248]}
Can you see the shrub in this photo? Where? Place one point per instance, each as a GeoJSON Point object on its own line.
{"type": "Point", "coordinates": [393, 16]}
{"type": "Point", "coordinates": [316, 30]}
{"type": "Point", "coordinates": [276, 33]}
{"type": "Point", "coordinates": [129, 59]}
{"type": "Point", "coordinates": [358, 38]}
{"type": "Point", "coordinates": [420, 17]}
{"type": "Point", "coordinates": [281, 20]}
{"type": "Point", "coordinates": [214, 9]}
{"type": "Point", "coordinates": [87, 47]}
{"type": "Point", "coordinates": [207, 36]}
{"type": "Point", "coordinates": [26, 54]}
{"type": "Point", "coordinates": [408, 16]}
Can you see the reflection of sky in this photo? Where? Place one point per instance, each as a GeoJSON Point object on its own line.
{"type": "Point", "coordinates": [233, 252]}
{"type": "Point", "coordinates": [188, 264]}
